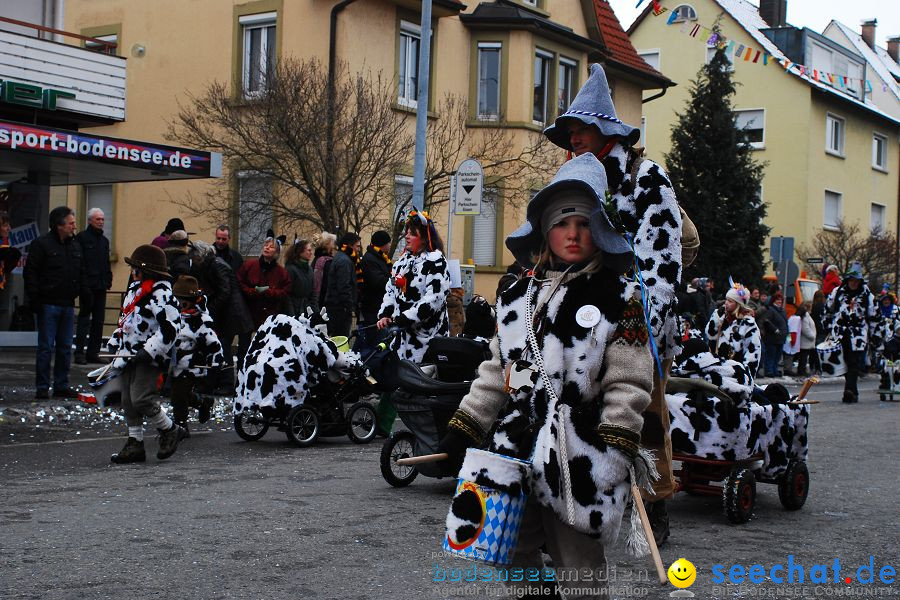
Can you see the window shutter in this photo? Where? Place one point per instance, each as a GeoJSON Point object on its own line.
{"type": "Point", "coordinates": [484, 231]}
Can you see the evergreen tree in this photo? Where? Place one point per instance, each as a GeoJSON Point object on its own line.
{"type": "Point", "coordinates": [717, 181]}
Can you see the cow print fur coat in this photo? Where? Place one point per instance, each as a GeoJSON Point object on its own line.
{"type": "Point", "coordinates": [583, 443]}
{"type": "Point", "coordinates": [737, 339]}
{"type": "Point", "coordinates": [851, 314]}
{"type": "Point", "coordinates": [151, 325]}
{"type": "Point", "coordinates": [647, 211]}
{"type": "Point", "coordinates": [416, 299]}
{"type": "Point", "coordinates": [196, 344]}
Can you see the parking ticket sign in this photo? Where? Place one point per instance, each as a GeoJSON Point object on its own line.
{"type": "Point", "coordinates": [468, 188]}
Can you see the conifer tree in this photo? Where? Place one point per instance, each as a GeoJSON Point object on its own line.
{"type": "Point", "coordinates": [717, 181]}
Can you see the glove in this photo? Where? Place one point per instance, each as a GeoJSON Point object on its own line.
{"type": "Point", "coordinates": [454, 443]}
{"type": "Point", "coordinates": [142, 357]}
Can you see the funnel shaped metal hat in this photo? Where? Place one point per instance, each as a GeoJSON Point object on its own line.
{"type": "Point", "coordinates": [585, 175]}
{"type": "Point", "coordinates": [594, 106]}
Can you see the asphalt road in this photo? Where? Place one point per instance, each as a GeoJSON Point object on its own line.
{"type": "Point", "coordinates": [225, 518]}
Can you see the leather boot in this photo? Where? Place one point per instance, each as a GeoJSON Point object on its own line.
{"type": "Point", "coordinates": [659, 521]}
{"type": "Point", "coordinates": [132, 452]}
{"type": "Point", "coordinates": [168, 441]}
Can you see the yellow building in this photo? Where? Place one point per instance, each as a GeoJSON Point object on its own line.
{"type": "Point", "coordinates": [832, 152]}
{"type": "Point", "coordinates": [515, 62]}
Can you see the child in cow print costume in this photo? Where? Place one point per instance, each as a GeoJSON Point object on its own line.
{"type": "Point", "coordinates": [589, 326]}
{"type": "Point", "coordinates": [143, 342]}
{"type": "Point", "coordinates": [732, 330]}
{"type": "Point", "coordinates": [851, 313]}
{"type": "Point", "coordinates": [415, 298]}
{"type": "Point", "coordinates": [197, 350]}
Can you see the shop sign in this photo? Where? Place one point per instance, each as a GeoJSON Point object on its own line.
{"type": "Point", "coordinates": [25, 94]}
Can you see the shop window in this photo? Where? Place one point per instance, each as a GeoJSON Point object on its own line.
{"type": "Point", "coordinates": [101, 196]}
{"type": "Point", "coordinates": [876, 218]}
{"type": "Point", "coordinates": [258, 64]}
{"type": "Point", "coordinates": [879, 152]}
{"type": "Point", "coordinates": [565, 84]}
{"type": "Point", "coordinates": [834, 135]}
{"type": "Point", "coordinates": [254, 212]}
{"type": "Point", "coordinates": [484, 230]}
{"type": "Point", "coordinates": [542, 62]}
{"type": "Point", "coordinates": [832, 210]}
{"type": "Point", "coordinates": [489, 81]}
{"type": "Point", "coordinates": [751, 125]}
{"type": "Point", "coordinates": [408, 66]}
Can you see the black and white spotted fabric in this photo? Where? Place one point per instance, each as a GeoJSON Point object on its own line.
{"type": "Point", "coordinates": [851, 314]}
{"type": "Point", "coordinates": [886, 326]}
{"type": "Point", "coordinates": [196, 344]}
{"type": "Point", "coordinates": [648, 211]}
{"type": "Point", "coordinates": [152, 325]}
{"type": "Point", "coordinates": [420, 307]}
{"type": "Point", "coordinates": [737, 339]}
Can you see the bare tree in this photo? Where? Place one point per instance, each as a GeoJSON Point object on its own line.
{"type": "Point", "coordinates": [846, 244]}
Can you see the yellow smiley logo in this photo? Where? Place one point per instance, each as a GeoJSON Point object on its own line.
{"type": "Point", "coordinates": [682, 573]}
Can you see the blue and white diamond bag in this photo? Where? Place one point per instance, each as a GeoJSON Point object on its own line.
{"type": "Point", "coordinates": [486, 513]}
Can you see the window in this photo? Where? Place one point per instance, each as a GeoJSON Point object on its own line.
{"type": "Point", "coordinates": [258, 52]}
{"type": "Point", "coordinates": [488, 81]}
{"type": "Point", "coordinates": [103, 48]}
{"type": "Point", "coordinates": [879, 152]}
{"type": "Point", "coordinates": [408, 68]}
{"type": "Point", "coordinates": [484, 230]}
{"type": "Point", "coordinates": [685, 12]}
{"type": "Point", "coordinates": [254, 212]}
{"type": "Point", "coordinates": [838, 65]}
{"type": "Point", "coordinates": [565, 84]}
{"type": "Point", "coordinates": [832, 210]}
{"type": "Point", "coordinates": [101, 196]}
{"type": "Point", "coordinates": [542, 62]}
{"type": "Point", "coordinates": [651, 57]}
{"type": "Point", "coordinates": [834, 135]}
{"type": "Point", "coordinates": [711, 52]}
{"type": "Point", "coordinates": [876, 220]}
{"type": "Point", "coordinates": [751, 124]}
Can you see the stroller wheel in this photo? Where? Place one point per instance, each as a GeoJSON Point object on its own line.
{"type": "Point", "coordinates": [250, 425]}
{"type": "Point", "coordinates": [302, 426]}
{"type": "Point", "coordinates": [398, 445]}
{"type": "Point", "coordinates": [361, 423]}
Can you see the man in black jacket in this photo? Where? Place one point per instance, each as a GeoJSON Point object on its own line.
{"type": "Point", "coordinates": [54, 277]}
{"type": "Point", "coordinates": [91, 308]}
{"type": "Point", "coordinates": [224, 251]}
{"type": "Point", "coordinates": [376, 271]}
{"type": "Point", "coordinates": [341, 293]}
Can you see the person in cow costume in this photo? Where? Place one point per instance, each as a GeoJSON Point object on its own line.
{"type": "Point", "coordinates": [143, 343]}
{"type": "Point", "coordinates": [642, 206]}
{"type": "Point", "coordinates": [851, 313]}
{"type": "Point", "coordinates": [732, 331]}
{"type": "Point", "coordinates": [197, 351]}
{"type": "Point", "coordinates": [575, 323]}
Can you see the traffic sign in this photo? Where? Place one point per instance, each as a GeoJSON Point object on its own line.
{"type": "Point", "coordinates": [815, 260]}
{"type": "Point", "coordinates": [468, 189]}
{"type": "Point", "coordinates": [782, 249]}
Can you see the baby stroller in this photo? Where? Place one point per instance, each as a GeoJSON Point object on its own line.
{"type": "Point", "coordinates": [890, 370]}
{"type": "Point", "coordinates": [427, 397]}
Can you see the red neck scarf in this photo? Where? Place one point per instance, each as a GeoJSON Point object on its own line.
{"type": "Point", "coordinates": [146, 287]}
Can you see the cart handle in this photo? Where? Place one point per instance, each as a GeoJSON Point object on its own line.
{"type": "Point", "coordinates": [425, 458]}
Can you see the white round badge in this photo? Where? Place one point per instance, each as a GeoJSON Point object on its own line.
{"type": "Point", "coordinates": [588, 315]}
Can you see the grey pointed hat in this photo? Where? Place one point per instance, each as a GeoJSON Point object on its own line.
{"type": "Point", "coordinates": [586, 175]}
{"type": "Point", "coordinates": [592, 105]}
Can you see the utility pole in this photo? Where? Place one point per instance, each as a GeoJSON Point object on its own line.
{"type": "Point", "coordinates": [418, 197]}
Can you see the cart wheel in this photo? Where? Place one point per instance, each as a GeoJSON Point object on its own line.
{"type": "Point", "coordinates": [739, 495]}
{"type": "Point", "coordinates": [882, 397]}
{"type": "Point", "coordinates": [398, 445]}
{"type": "Point", "coordinates": [302, 426]}
{"type": "Point", "coordinates": [250, 425]}
{"type": "Point", "coordinates": [361, 423]}
{"type": "Point", "coordinates": [793, 487]}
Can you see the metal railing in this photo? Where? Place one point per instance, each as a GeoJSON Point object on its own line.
{"type": "Point", "coordinates": [107, 47]}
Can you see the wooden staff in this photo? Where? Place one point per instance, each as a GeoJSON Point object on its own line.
{"type": "Point", "coordinates": [648, 532]}
{"type": "Point", "coordinates": [418, 460]}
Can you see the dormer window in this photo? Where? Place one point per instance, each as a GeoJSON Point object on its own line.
{"type": "Point", "coordinates": [685, 12]}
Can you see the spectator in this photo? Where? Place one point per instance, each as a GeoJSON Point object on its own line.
{"type": "Point", "coordinates": [792, 343]}
{"type": "Point", "coordinates": [832, 280]}
{"type": "Point", "coordinates": [92, 308]}
{"type": "Point", "coordinates": [9, 255]}
{"type": "Point", "coordinates": [818, 315]}
{"type": "Point", "coordinates": [701, 303]}
{"type": "Point", "coordinates": [54, 277]}
{"type": "Point", "coordinates": [753, 302]}
{"type": "Point", "coordinates": [774, 333]}
{"type": "Point", "coordinates": [231, 256]}
{"type": "Point", "coordinates": [296, 261]}
{"type": "Point", "coordinates": [324, 254]}
{"type": "Point", "coordinates": [807, 361]}
{"type": "Point", "coordinates": [340, 287]}
{"type": "Point", "coordinates": [376, 268]}
{"type": "Point", "coordinates": [851, 312]}
{"type": "Point", "coordinates": [162, 240]}
{"type": "Point", "coordinates": [177, 254]}
{"type": "Point", "coordinates": [264, 283]}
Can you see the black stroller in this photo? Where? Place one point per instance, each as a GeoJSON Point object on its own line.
{"type": "Point", "coordinates": [427, 397]}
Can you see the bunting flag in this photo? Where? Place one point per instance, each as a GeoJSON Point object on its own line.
{"type": "Point", "coordinates": [695, 31]}
{"type": "Point", "coordinates": [740, 50]}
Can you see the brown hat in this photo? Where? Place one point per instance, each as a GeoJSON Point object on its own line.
{"type": "Point", "coordinates": [149, 258]}
{"type": "Point", "coordinates": [186, 287]}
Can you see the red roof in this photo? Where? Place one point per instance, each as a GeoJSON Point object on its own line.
{"type": "Point", "coordinates": [619, 45]}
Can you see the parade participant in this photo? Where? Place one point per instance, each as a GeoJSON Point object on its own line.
{"type": "Point", "coordinates": [851, 314]}
{"type": "Point", "coordinates": [143, 343]}
{"type": "Point", "coordinates": [732, 331]}
{"type": "Point", "coordinates": [296, 261]}
{"type": "Point", "coordinates": [197, 351]}
{"type": "Point", "coordinates": [341, 287]}
{"type": "Point", "coordinates": [264, 283]}
{"type": "Point", "coordinates": [576, 324]}
{"type": "Point", "coordinates": [416, 296]}
{"type": "Point", "coordinates": [641, 205]}
{"type": "Point", "coordinates": [9, 255]}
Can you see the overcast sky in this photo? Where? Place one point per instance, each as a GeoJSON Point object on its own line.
{"type": "Point", "coordinates": [815, 14]}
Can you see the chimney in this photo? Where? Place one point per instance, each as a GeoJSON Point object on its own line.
{"type": "Point", "coordinates": [773, 12]}
{"type": "Point", "coordinates": [894, 48]}
{"type": "Point", "coordinates": [868, 32]}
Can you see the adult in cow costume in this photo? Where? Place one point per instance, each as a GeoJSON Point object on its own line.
{"type": "Point", "coordinates": [642, 206]}
{"type": "Point", "coordinates": [851, 313]}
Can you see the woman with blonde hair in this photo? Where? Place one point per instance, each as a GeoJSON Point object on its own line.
{"type": "Point", "coordinates": [732, 331]}
{"type": "Point", "coordinates": [325, 244]}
